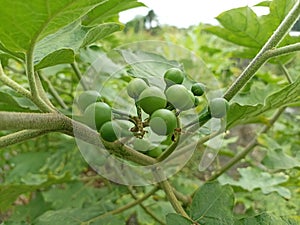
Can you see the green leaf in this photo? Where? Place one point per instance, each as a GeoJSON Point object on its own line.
{"type": "Point", "coordinates": [240, 114]}
{"type": "Point", "coordinates": [73, 194]}
{"type": "Point", "coordinates": [148, 65]}
{"type": "Point", "coordinates": [264, 3]}
{"type": "Point", "coordinates": [243, 24]}
{"type": "Point", "coordinates": [34, 20]}
{"type": "Point", "coordinates": [213, 204]}
{"type": "Point", "coordinates": [26, 163]}
{"type": "Point", "coordinates": [277, 159]}
{"type": "Point", "coordinates": [30, 211]}
{"type": "Point", "coordinates": [77, 216]}
{"type": "Point", "coordinates": [9, 102]}
{"type": "Point", "coordinates": [109, 9]}
{"type": "Point", "coordinates": [60, 56]}
{"type": "Point", "coordinates": [243, 27]}
{"type": "Point", "coordinates": [266, 219]}
{"type": "Point", "coordinates": [62, 46]}
{"type": "Point", "coordinates": [252, 178]}
{"type": "Point", "coordinates": [175, 219]}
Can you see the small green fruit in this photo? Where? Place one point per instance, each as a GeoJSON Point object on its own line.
{"type": "Point", "coordinates": [180, 97]}
{"type": "Point", "coordinates": [197, 102]}
{"type": "Point", "coordinates": [87, 98]}
{"type": "Point", "coordinates": [218, 107]}
{"type": "Point", "coordinates": [97, 114]}
{"type": "Point", "coordinates": [173, 76]}
{"type": "Point", "coordinates": [151, 99]}
{"type": "Point", "coordinates": [135, 87]}
{"type": "Point", "coordinates": [198, 89]}
{"type": "Point", "coordinates": [141, 145]}
{"type": "Point", "coordinates": [110, 131]}
{"type": "Point", "coordinates": [163, 122]}
{"type": "Point", "coordinates": [155, 152]}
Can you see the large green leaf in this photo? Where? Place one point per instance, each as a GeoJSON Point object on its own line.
{"type": "Point", "coordinates": [109, 9]}
{"type": "Point", "coordinates": [62, 46]}
{"type": "Point", "coordinates": [252, 178]}
{"type": "Point", "coordinates": [213, 204]}
{"type": "Point", "coordinates": [24, 23]}
{"type": "Point", "coordinates": [243, 27]}
{"type": "Point", "coordinates": [240, 114]}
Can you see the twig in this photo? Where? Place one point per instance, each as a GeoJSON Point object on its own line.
{"type": "Point", "coordinates": [21, 136]}
{"type": "Point", "coordinates": [148, 211]}
{"type": "Point", "coordinates": [168, 189]}
{"type": "Point", "coordinates": [12, 84]}
{"type": "Point", "coordinates": [41, 90]}
{"type": "Point", "coordinates": [79, 75]}
{"type": "Point", "coordinates": [286, 73]}
{"type": "Point", "coordinates": [123, 208]}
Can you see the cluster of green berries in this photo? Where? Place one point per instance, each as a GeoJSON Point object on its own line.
{"type": "Point", "coordinates": [162, 108]}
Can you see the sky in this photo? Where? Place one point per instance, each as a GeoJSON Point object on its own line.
{"type": "Point", "coordinates": [184, 13]}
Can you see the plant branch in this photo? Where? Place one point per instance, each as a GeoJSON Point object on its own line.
{"type": "Point", "coordinates": [34, 89]}
{"type": "Point", "coordinates": [41, 90]}
{"type": "Point", "coordinates": [21, 136]}
{"type": "Point", "coordinates": [286, 73]}
{"type": "Point", "coordinates": [21, 121]}
{"type": "Point", "coordinates": [79, 75]}
{"type": "Point", "coordinates": [59, 122]}
{"type": "Point", "coordinates": [172, 147]}
{"type": "Point", "coordinates": [168, 189]}
{"type": "Point", "coordinates": [262, 56]}
{"type": "Point", "coordinates": [185, 199]}
{"type": "Point", "coordinates": [125, 207]}
{"type": "Point", "coordinates": [12, 84]}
